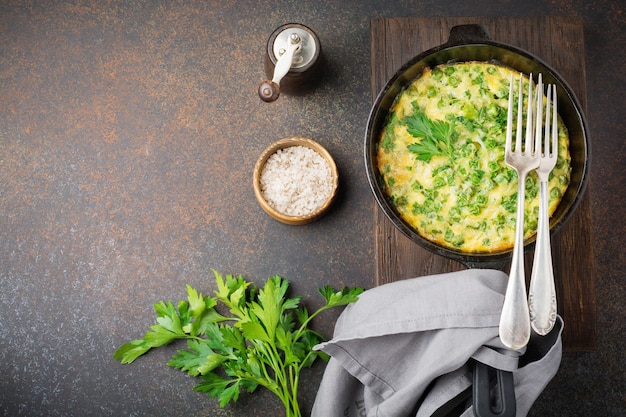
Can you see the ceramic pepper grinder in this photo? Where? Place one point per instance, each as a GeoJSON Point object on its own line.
{"type": "Point", "coordinates": [292, 61]}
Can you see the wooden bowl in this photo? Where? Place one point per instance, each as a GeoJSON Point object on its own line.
{"type": "Point", "coordinates": [258, 169]}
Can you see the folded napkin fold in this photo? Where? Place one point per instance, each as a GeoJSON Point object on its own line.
{"type": "Point", "coordinates": [406, 348]}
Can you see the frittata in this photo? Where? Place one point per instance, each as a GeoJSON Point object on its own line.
{"type": "Point", "coordinates": [441, 156]}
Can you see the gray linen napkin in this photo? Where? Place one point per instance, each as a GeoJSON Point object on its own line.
{"type": "Point", "coordinates": [405, 348]}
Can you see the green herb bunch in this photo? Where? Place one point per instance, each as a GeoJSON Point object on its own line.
{"type": "Point", "coordinates": [437, 136]}
{"type": "Point", "coordinates": [264, 340]}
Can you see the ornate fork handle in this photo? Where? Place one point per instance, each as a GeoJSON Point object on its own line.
{"type": "Point", "coordinates": [542, 293]}
{"type": "Point", "coordinates": [515, 319]}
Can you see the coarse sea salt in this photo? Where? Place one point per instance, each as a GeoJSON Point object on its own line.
{"type": "Point", "coordinates": [296, 181]}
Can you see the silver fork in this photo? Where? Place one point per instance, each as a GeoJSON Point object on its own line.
{"type": "Point", "coordinates": [542, 294]}
{"type": "Point", "coordinates": [515, 320]}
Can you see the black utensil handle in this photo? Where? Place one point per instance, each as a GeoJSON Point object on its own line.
{"type": "Point", "coordinates": [504, 389]}
{"type": "Point", "coordinates": [469, 33]}
{"type": "Point", "coordinates": [456, 406]}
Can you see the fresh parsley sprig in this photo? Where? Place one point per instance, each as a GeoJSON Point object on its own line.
{"type": "Point", "coordinates": [263, 340]}
{"type": "Point", "coordinates": [436, 136]}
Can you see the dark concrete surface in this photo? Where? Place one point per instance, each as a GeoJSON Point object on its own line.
{"type": "Point", "coordinates": [128, 135]}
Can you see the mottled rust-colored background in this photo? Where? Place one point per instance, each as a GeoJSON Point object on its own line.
{"type": "Point", "coordinates": [128, 135]}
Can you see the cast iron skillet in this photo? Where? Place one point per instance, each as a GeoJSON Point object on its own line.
{"type": "Point", "coordinates": [472, 43]}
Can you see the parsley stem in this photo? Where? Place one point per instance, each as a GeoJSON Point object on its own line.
{"type": "Point", "coordinates": [305, 324]}
{"type": "Point", "coordinates": [294, 374]}
{"type": "Point", "coordinates": [286, 391]}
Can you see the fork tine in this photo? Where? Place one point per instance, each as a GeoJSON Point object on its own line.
{"type": "Point", "coordinates": [538, 117]}
{"type": "Point", "coordinates": [547, 148]}
{"type": "Point", "coordinates": [520, 107]}
{"type": "Point", "coordinates": [555, 126]}
{"type": "Point", "coordinates": [530, 110]}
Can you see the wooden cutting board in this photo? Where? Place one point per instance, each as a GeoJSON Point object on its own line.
{"type": "Point", "coordinates": [558, 41]}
